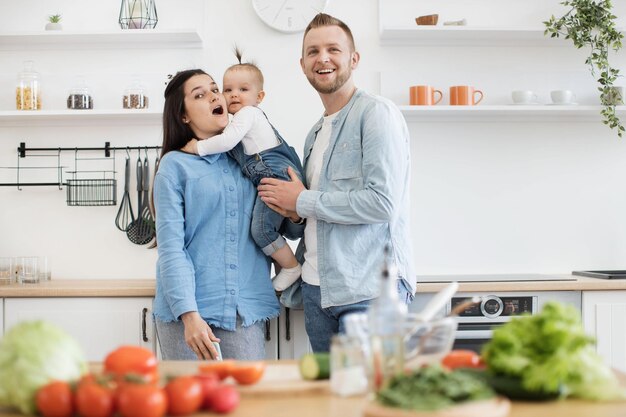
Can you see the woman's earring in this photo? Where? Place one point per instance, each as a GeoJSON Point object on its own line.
{"type": "Point", "coordinates": [185, 120]}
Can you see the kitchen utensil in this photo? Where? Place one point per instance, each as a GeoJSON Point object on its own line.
{"type": "Point", "coordinates": [125, 214]}
{"type": "Point", "coordinates": [136, 230]}
{"type": "Point", "coordinates": [147, 224]}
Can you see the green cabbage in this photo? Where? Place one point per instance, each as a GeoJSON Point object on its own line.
{"type": "Point", "coordinates": [31, 355]}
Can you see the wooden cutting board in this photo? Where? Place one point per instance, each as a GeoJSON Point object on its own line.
{"type": "Point", "coordinates": [497, 407]}
{"type": "Point", "coordinates": [279, 379]}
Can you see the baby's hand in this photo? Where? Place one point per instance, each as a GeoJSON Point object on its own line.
{"type": "Point", "coordinates": [191, 146]}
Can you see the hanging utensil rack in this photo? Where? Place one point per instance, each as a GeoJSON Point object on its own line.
{"type": "Point", "coordinates": [24, 152]}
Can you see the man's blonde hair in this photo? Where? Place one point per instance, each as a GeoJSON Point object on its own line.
{"type": "Point", "coordinates": [323, 19]}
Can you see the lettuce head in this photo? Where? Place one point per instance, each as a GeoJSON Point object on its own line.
{"type": "Point", "coordinates": [31, 355]}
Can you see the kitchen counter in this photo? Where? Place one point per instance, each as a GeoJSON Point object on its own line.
{"type": "Point", "coordinates": [324, 404]}
{"type": "Point", "coordinates": [146, 287]}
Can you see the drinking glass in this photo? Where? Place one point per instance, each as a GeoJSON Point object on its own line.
{"type": "Point", "coordinates": [28, 270]}
{"type": "Point", "coordinates": [45, 273]}
{"type": "Point", "coordinates": [7, 270]}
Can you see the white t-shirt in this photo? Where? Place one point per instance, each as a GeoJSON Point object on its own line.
{"type": "Point", "coordinates": [313, 170]}
{"type": "Point", "coordinates": [248, 126]}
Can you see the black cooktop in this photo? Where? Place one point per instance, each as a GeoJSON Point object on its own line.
{"type": "Point", "coordinates": [613, 274]}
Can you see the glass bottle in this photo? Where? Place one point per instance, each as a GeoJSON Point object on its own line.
{"type": "Point", "coordinates": [348, 366]}
{"type": "Point", "coordinates": [387, 317]}
{"type": "Point", "coordinates": [135, 96]}
{"type": "Point", "coordinates": [28, 91]}
{"type": "Point", "coordinates": [80, 97]}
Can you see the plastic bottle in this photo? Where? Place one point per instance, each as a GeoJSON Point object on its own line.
{"type": "Point", "coordinates": [28, 91]}
{"type": "Point", "coordinates": [387, 317]}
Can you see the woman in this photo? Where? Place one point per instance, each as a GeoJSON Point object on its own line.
{"type": "Point", "coordinates": [213, 282]}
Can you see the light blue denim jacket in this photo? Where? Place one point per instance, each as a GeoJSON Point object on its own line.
{"type": "Point", "coordinates": [208, 261]}
{"type": "Point", "coordinates": [363, 201]}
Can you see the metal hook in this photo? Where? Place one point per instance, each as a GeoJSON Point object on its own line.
{"type": "Point", "coordinates": [127, 152]}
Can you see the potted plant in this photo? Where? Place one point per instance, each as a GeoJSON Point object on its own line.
{"type": "Point", "coordinates": [591, 23]}
{"type": "Point", "coordinates": [54, 22]}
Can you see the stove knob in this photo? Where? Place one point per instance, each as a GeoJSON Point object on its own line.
{"type": "Point", "coordinates": [491, 306]}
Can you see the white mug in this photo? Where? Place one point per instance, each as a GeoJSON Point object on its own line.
{"type": "Point", "coordinates": [562, 96]}
{"type": "Point", "coordinates": [523, 97]}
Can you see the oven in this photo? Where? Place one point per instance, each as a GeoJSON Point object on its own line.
{"type": "Point", "coordinates": [475, 324]}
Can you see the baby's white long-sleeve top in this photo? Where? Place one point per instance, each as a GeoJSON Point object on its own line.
{"type": "Point", "coordinates": [248, 126]}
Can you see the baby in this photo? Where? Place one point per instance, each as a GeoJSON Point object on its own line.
{"type": "Point", "coordinates": [261, 152]}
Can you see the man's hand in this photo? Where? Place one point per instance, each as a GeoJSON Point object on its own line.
{"type": "Point", "coordinates": [279, 193]}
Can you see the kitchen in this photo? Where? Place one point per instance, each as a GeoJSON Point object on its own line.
{"type": "Point", "coordinates": [490, 195]}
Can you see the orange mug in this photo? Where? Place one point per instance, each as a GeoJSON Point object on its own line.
{"type": "Point", "coordinates": [464, 95]}
{"type": "Point", "coordinates": [424, 95]}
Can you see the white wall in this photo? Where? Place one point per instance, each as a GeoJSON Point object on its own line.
{"type": "Point", "coordinates": [487, 197]}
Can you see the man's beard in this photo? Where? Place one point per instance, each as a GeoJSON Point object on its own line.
{"type": "Point", "coordinates": [341, 79]}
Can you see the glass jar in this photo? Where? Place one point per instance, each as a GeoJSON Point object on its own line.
{"type": "Point", "coordinates": [80, 97]}
{"type": "Point", "coordinates": [28, 91]}
{"type": "Point", "coordinates": [348, 366]}
{"type": "Point", "coordinates": [135, 96]}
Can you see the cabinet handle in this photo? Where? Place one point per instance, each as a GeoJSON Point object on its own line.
{"type": "Point", "coordinates": [144, 335]}
{"type": "Point", "coordinates": [268, 336]}
{"type": "Point", "coordinates": [287, 325]}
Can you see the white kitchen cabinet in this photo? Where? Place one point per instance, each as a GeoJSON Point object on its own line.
{"type": "Point", "coordinates": [99, 324]}
{"type": "Point", "coordinates": [604, 314]}
{"type": "Point", "coordinates": [293, 341]}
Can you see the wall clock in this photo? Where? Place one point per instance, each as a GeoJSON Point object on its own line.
{"type": "Point", "coordinates": [288, 16]}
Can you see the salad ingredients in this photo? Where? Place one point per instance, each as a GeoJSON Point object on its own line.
{"type": "Point", "coordinates": [32, 354]}
{"type": "Point", "coordinates": [315, 366]}
{"type": "Point", "coordinates": [132, 360]}
{"type": "Point", "coordinates": [225, 399]}
{"type": "Point", "coordinates": [184, 395]}
{"type": "Point", "coordinates": [93, 399]}
{"type": "Point", "coordinates": [550, 353]}
{"type": "Point", "coordinates": [141, 400]}
{"type": "Point", "coordinates": [221, 368]}
{"type": "Point", "coordinates": [248, 373]}
{"type": "Point", "coordinates": [432, 388]}
{"type": "Point", "coordinates": [209, 382]}
{"type": "Point", "coordinates": [461, 358]}
{"type": "Point", "coordinates": [55, 399]}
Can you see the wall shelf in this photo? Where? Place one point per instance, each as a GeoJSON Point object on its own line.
{"type": "Point", "coordinates": [467, 36]}
{"type": "Point", "coordinates": [118, 39]}
{"type": "Point", "coordinates": [504, 113]}
{"type": "Point", "coordinates": [79, 117]}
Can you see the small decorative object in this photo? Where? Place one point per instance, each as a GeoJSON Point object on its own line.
{"type": "Point", "coordinates": [591, 23]}
{"type": "Point", "coordinates": [54, 22]}
{"type": "Point", "coordinates": [28, 91]}
{"type": "Point", "coordinates": [428, 20]}
{"type": "Point", "coordinates": [462, 22]}
{"type": "Point", "coordinates": [138, 14]}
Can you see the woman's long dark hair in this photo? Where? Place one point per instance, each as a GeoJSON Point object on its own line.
{"type": "Point", "coordinates": [176, 133]}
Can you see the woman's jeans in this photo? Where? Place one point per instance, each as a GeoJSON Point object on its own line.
{"type": "Point", "coordinates": [322, 323]}
{"type": "Point", "coordinates": [245, 343]}
{"type": "Point", "coordinates": [270, 163]}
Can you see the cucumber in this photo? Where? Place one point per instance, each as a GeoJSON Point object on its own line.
{"type": "Point", "coordinates": [315, 366]}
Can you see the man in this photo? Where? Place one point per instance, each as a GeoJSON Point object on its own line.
{"type": "Point", "coordinates": [357, 168]}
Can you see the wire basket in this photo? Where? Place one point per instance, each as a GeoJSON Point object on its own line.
{"type": "Point", "coordinates": [91, 192]}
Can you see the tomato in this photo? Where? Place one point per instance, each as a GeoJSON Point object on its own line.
{"type": "Point", "coordinates": [132, 360]}
{"type": "Point", "coordinates": [221, 368]}
{"type": "Point", "coordinates": [184, 395]}
{"type": "Point", "coordinates": [209, 382]}
{"type": "Point", "coordinates": [247, 373]}
{"type": "Point", "coordinates": [225, 399]}
{"type": "Point", "coordinates": [94, 400]}
{"type": "Point", "coordinates": [462, 359]}
{"type": "Point", "coordinates": [55, 399]}
{"type": "Point", "coordinates": [141, 400]}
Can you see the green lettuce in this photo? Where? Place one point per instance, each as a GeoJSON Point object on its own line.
{"type": "Point", "coordinates": [550, 352]}
{"type": "Point", "coordinates": [31, 355]}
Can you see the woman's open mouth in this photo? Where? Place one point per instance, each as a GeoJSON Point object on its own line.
{"type": "Point", "coordinates": [218, 110]}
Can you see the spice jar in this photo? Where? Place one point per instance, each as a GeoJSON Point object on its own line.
{"type": "Point", "coordinates": [28, 91]}
{"type": "Point", "coordinates": [80, 97]}
{"type": "Point", "coordinates": [135, 96]}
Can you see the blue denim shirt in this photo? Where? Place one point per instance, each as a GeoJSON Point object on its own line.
{"type": "Point", "coordinates": [208, 261]}
{"type": "Point", "coordinates": [363, 200]}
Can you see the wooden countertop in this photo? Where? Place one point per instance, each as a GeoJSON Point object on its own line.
{"type": "Point", "coordinates": [324, 404]}
{"type": "Point", "coordinates": [146, 287]}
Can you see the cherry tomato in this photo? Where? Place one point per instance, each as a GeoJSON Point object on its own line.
{"type": "Point", "coordinates": [94, 400]}
{"type": "Point", "coordinates": [132, 360]}
{"type": "Point", "coordinates": [55, 399]}
{"type": "Point", "coordinates": [184, 395]}
{"type": "Point", "coordinates": [461, 358]}
{"type": "Point", "coordinates": [225, 399]}
{"type": "Point", "coordinates": [209, 382]}
{"type": "Point", "coordinates": [247, 373]}
{"type": "Point", "coordinates": [141, 400]}
{"type": "Point", "coordinates": [221, 368]}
